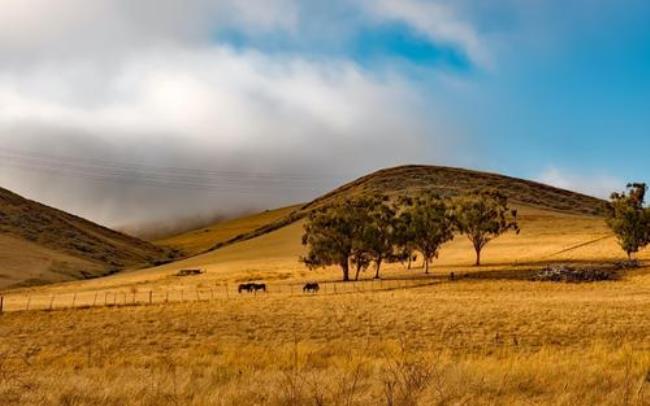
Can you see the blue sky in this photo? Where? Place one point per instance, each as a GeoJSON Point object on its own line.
{"type": "Point", "coordinates": [568, 90]}
{"type": "Point", "coordinates": [267, 102]}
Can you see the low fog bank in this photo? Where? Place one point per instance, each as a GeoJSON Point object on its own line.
{"type": "Point", "coordinates": [177, 225]}
{"type": "Point", "coordinates": [152, 189]}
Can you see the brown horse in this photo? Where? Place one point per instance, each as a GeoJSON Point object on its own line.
{"type": "Point", "coordinates": [252, 287]}
{"type": "Point", "coordinates": [311, 288]}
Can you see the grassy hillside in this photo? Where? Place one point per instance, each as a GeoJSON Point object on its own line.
{"type": "Point", "coordinates": [447, 182]}
{"type": "Point", "coordinates": [454, 181]}
{"type": "Point", "coordinates": [479, 340]}
{"type": "Point", "coordinates": [202, 239]}
{"type": "Point", "coordinates": [490, 337]}
{"type": "Point", "coordinates": [546, 237]}
{"type": "Point", "coordinates": [41, 244]}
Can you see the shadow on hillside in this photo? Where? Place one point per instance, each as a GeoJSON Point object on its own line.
{"type": "Point", "coordinates": [524, 271]}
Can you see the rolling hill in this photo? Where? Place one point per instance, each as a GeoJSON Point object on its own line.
{"type": "Point", "coordinates": [40, 244]}
{"type": "Point", "coordinates": [448, 182]}
{"type": "Point", "coordinates": [197, 241]}
{"type": "Point", "coordinates": [409, 179]}
{"type": "Point", "coordinates": [480, 328]}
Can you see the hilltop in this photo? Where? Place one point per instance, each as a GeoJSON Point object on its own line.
{"type": "Point", "coordinates": [450, 182]}
{"type": "Point", "coordinates": [41, 244]}
{"type": "Point", "coordinates": [412, 179]}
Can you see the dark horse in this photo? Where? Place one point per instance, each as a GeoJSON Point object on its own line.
{"type": "Point", "coordinates": [311, 287]}
{"type": "Point", "coordinates": [252, 287]}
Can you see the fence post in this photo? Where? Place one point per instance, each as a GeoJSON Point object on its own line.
{"type": "Point", "coordinates": [74, 300]}
{"type": "Point", "coordinates": [51, 302]}
{"type": "Point", "coordinates": [150, 296]}
{"type": "Point", "coordinates": [29, 301]}
{"type": "Point", "coordinates": [2, 304]}
{"type": "Point", "coordinates": [95, 299]}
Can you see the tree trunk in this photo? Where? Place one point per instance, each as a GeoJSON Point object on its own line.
{"type": "Point", "coordinates": [410, 260]}
{"type": "Point", "coordinates": [478, 256]}
{"type": "Point", "coordinates": [378, 266]}
{"type": "Point", "coordinates": [426, 265]}
{"type": "Point", "coordinates": [356, 276]}
{"type": "Point", "coordinates": [346, 271]}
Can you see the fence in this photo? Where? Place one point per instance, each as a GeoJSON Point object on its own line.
{"type": "Point", "coordinates": [143, 296]}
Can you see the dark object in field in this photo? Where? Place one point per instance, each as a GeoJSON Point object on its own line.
{"type": "Point", "coordinates": [452, 276]}
{"type": "Point", "coordinates": [252, 287]}
{"type": "Point", "coordinates": [311, 288]}
{"type": "Point", "coordinates": [629, 264]}
{"type": "Point", "coordinates": [189, 272]}
{"type": "Point", "coordinates": [560, 273]}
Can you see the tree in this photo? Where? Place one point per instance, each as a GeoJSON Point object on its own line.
{"type": "Point", "coordinates": [378, 235]}
{"type": "Point", "coordinates": [482, 217]}
{"type": "Point", "coordinates": [332, 233]}
{"type": "Point", "coordinates": [629, 219]}
{"type": "Point", "coordinates": [425, 225]}
{"type": "Point", "coordinates": [360, 260]}
{"type": "Point", "coordinates": [403, 238]}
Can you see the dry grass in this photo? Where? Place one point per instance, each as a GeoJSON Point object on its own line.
{"type": "Point", "coordinates": [201, 240]}
{"type": "Point", "coordinates": [40, 244]}
{"type": "Point", "coordinates": [471, 341]}
{"type": "Point", "coordinates": [465, 342]}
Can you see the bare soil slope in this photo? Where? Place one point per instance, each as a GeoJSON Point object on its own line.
{"type": "Point", "coordinates": [40, 244]}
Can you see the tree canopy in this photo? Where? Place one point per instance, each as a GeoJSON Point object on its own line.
{"type": "Point", "coordinates": [426, 224]}
{"type": "Point", "coordinates": [482, 217]}
{"type": "Point", "coordinates": [332, 234]}
{"type": "Point", "coordinates": [360, 231]}
{"type": "Point", "coordinates": [629, 218]}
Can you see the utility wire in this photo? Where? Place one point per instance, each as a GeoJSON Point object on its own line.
{"type": "Point", "coordinates": [254, 183]}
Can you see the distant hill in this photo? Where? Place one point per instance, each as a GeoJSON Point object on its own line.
{"type": "Point", "coordinates": [454, 181]}
{"type": "Point", "coordinates": [447, 182]}
{"type": "Point", "coordinates": [201, 239]}
{"type": "Point", "coordinates": [40, 244]}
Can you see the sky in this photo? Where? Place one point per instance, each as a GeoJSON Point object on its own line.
{"type": "Point", "coordinates": [154, 112]}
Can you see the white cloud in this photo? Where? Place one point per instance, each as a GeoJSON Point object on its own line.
{"type": "Point", "coordinates": [436, 20]}
{"type": "Point", "coordinates": [598, 185]}
{"type": "Point", "coordinates": [37, 30]}
{"type": "Point", "coordinates": [146, 83]}
{"type": "Point", "coordinates": [214, 109]}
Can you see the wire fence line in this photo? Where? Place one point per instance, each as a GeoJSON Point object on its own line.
{"type": "Point", "coordinates": [142, 296]}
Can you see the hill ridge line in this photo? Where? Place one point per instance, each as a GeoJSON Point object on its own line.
{"type": "Point", "coordinates": [412, 171]}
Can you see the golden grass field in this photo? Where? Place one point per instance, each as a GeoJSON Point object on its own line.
{"type": "Point", "coordinates": [472, 341]}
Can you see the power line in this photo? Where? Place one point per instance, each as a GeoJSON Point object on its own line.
{"type": "Point", "coordinates": [142, 167]}
{"type": "Point", "coordinates": [167, 177]}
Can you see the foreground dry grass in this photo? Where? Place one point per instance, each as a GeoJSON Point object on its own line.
{"type": "Point", "coordinates": [467, 342]}
{"type": "Point", "coordinates": [463, 342]}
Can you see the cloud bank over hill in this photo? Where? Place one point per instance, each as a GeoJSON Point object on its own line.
{"type": "Point", "coordinates": [134, 112]}
{"type": "Point", "coordinates": [144, 87]}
